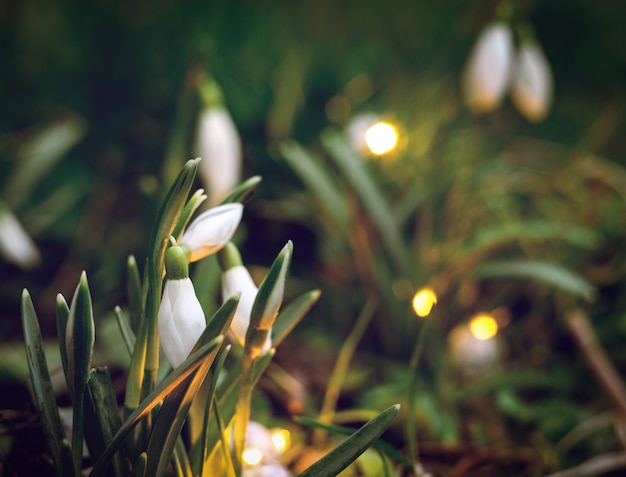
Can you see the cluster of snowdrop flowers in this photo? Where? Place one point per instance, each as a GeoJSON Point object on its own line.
{"type": "Point", "coordinates": [495, 67]}
{"type": "Point", "coordinates": [181, 319]}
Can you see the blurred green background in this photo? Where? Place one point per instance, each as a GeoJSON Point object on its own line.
{"type": "Point", "coordinates": [95, 96]}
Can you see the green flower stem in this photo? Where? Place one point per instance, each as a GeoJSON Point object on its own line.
{"type": "Point", "coordinates": [411, 428]}
{"type": "Point", "coordinates": [242, 412]}
{"type": "Point", "coordinates": [341, 370]}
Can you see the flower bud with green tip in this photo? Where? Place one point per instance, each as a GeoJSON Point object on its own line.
{"type": "Point", "coordinates": [181, 318]}
{"type": "Point", "coordinates": [218, 144]}
{"type": "Point", "coordinates": [236, 279]}
{"type": "Point", "coordinates": [211, 230]}
{"type": "Point", "coordinates": [531, 88]}
{"type": "Point", "coordinates": [488, 69]}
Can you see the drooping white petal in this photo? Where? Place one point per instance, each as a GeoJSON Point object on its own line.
{"type": "Point", "coordinates": [219, 145]}
{"type": "Point", "coordinates": [181, 320]}
{"type": "Point", "coordinates": [237, 279]}
{"type": "Point", "coordinates": [488, 69]}
{"type": "Point", "coordinates": [531, 88]}
{"type": "Point", "coordinates": [211, 230]}
{"type": "Point", "coordinates": [16, 246]}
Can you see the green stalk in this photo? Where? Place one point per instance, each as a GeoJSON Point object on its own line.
{"type": "Point", "coordinates": [411, 428]}
{"type": "Point", "coordinates": [341, 370]}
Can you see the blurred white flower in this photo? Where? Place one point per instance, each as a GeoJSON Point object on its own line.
{"type": "Point", "coordinates": [471, 354]}
{"type": "Point", "coordinates": [211, 230]}
{"type": "Point", "coordinates": [181, 320]}
{"type": "Point", "coordinates": [16, 246]}
{"type": "Point", "coordinates": [488, 70]}
{"type": "Point", "coordinates": [268, 470]}
{"type": "Point", "coordinates": [357, 129]}
{"type": "Point", "coordinates": [263, 455]}
{"type": "Point", "coordinates": [531, 88]}
{"type": "Point", "coordinates": [218, 144]}
{"type": "Point", "coordinates": [234, 280]}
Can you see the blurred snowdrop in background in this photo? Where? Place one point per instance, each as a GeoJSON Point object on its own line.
{"type": "Point", "coordinates": [488, 70]}
{"type": "Point", "coordinates": [218, 144]}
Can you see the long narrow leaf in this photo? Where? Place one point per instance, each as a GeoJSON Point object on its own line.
{"type": "Point", "coordinates": [200, 466]}
{"type": "Point", "coordinates": [139, 469]}
{"type": "Point", "coordinates": [134, 291]}
{"type": "Point", "coordinates": [318, 179]}
{"type": "Point", "coordinates": [171, 382]}
{"type": "Point", "coordinates": [102, 419]}
{"type": "Point", "coordinates": [345, 453]}
{"type": "Point", "coordinates": [346, 431]}
{"type": "Point", "coordinates": [243, 192]}
{"type": "Point", "coordinates": [62, 315]}
{"type": "Point", "coordinates": [370, 196]}
{"type": "Point", "coordinates": [79, 340]}
{"type": "Point", "coordinates": [41, 387]}
{"type": "Point", "coordinates": [549, 273]}
{"type": "Point", "coordinates": [172, 415]}
{"type": "Point", "coordinates": [125, 329]}
{"type": "Point", "coordinates": [227, 393]}
{"type": "Point", "coordinates": [291, 314]}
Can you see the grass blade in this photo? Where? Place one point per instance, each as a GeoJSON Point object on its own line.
{"type": "Point", "coordinates": [41, 387]}
{"type": "Point", "coordinates": [346, 452]}
{"type": "Point", "coordinates": [171, 382]}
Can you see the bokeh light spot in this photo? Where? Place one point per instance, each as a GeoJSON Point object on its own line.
{"type": "Point", "coordinates": [423, 302]}
{"type": "Point", "coordinates": [252, 456]}
{"type": "Point", "coordinates": [381, 138]}
{"type": "Point", "coordinates": [483, 326]}
{"type": "Point", "coordinates": [281, 438]}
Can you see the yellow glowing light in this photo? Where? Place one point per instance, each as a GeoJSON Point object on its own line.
{"type": "Point", "coordinates": [483, 327]}
{"type": "Point", "coordinates": [281, 438]}
{"type": "Point", "coordinates": [381, 138]}
{"type": "Point", "coordinates": [423, 302]}
{"type": "Point", "coordinates": [252, 456]}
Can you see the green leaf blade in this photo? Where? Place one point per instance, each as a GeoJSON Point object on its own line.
{"type": "Point", "coordinates": [41, 387]}
{"type": "Point", "coordinates": [347, 452]}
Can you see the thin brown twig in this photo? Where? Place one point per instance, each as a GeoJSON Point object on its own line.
{"type": "Point", "coordinates": [600, 364]}
{"type": "Point", "coordinates": [596, 465]}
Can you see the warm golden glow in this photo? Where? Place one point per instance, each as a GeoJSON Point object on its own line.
{"type": "Point", "coordinates": [423, 302]}
{"type": "Point", "coordinates": [281, 438]}
{"type": "Point", "coordinates": [381, 138]}
{"type": "Point", "coordinates": [252, 456]}
{"type": "Point", "coordinates": [483, 326]}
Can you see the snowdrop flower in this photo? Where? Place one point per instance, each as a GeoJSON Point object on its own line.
{"type": "Point", "coordinates": [218, 144]}
{"type": "Point", "coordinates": [470, 354]}
{"type": "Point", "coordinates": [357, 128]}
{"type": "Point", "coordinates": [211, 230]}
{"type": "Point", "coordinates": [180, 318]}
{"type": "Point", "coordinates": [531, 88]}
{"type": "Point", "coordinates": [268, 470]}
{"type": "Point", "coordinates": [16, 246]}
{"type": "Point", "coordinates": [488, 70]}
{"type": "Point", "coordinates": [236, 279]}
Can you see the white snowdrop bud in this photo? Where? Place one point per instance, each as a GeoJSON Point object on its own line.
{"type": "Point", "coordinates": [211, 230]}
{"type": "Point", "coordinates": [531, 88]}
{"type": "Point", "coordinates": [180, 319]}
{"type": "Point", "coordinates": [16, 246]}
{"type": "Point", "coordinates": [488, 70]}
{"type": "Point", "coordinates": [219, 145]}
